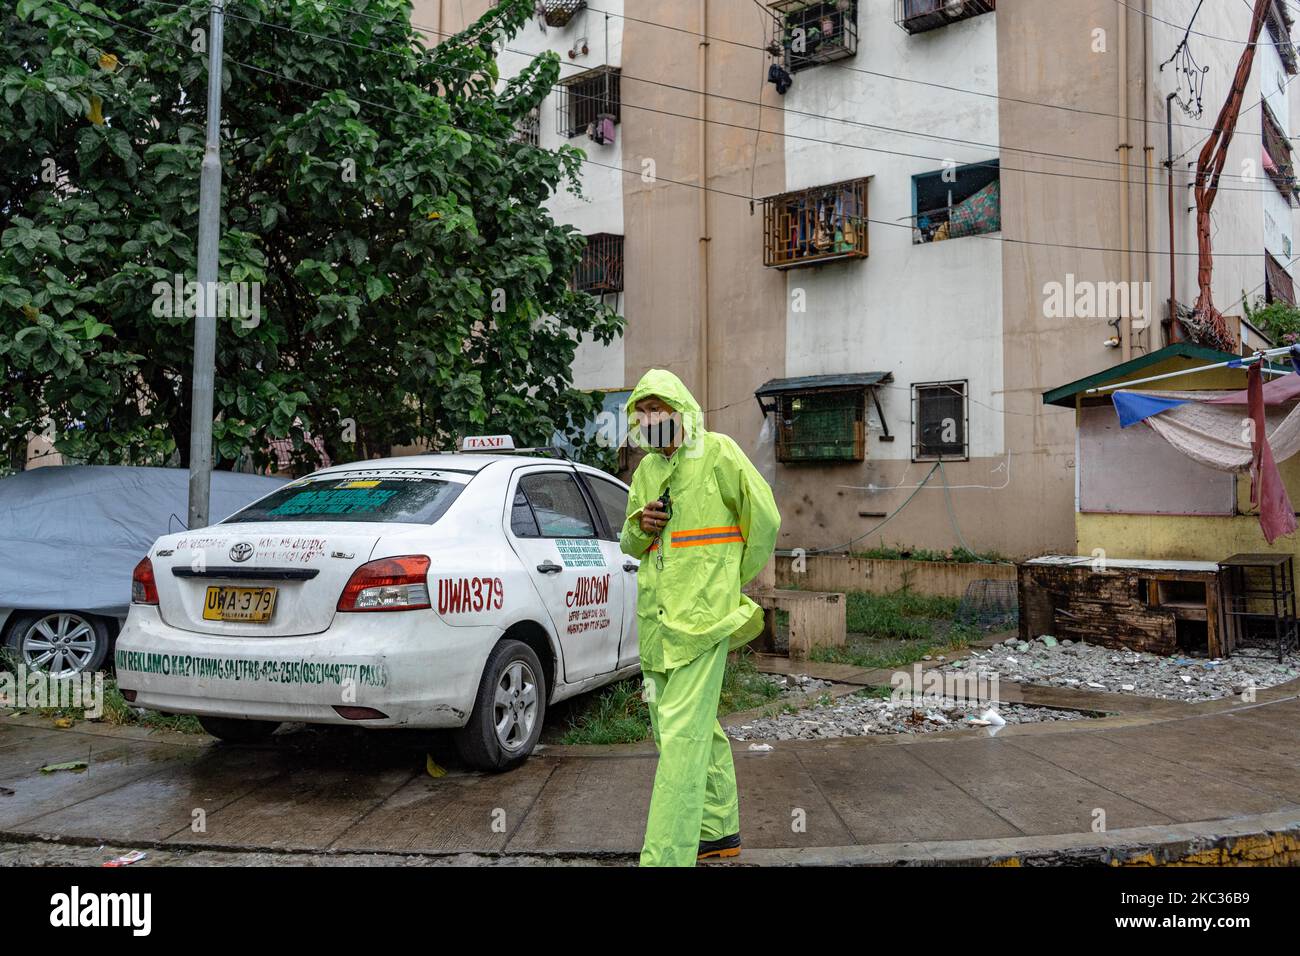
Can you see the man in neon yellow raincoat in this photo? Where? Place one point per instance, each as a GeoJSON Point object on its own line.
{"type": "Point", "coordinates": [718, 534]}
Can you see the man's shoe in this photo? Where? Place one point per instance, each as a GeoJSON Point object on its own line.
{"type": "Point", "coordinates": [722, 847]}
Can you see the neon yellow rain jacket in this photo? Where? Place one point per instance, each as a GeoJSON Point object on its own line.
{"type": "Point", "coordinates": [721, 533]}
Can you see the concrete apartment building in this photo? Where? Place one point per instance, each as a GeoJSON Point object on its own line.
{"type": "Point", "coordinates": [925, 333]}
{"type": "Point", "coordinates": [940, 320]}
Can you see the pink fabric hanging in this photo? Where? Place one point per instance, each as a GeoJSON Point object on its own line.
{"type": "Point", "coordinates": [1267, 492]}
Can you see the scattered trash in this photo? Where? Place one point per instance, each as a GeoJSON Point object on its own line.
{"type": "Point", "coordinates": [993, 717]}
{"type": "Point", "coordinates": [978, 722]}
{"type": "Point", "coordinates": [433, 769]}
{"type": "Point", "coordinates": [63, 723]}
{"type": "Point", "coordinates": [760, 747]}
{"type": "Point", "coordinates": [76, 766]}
{"type": "Point", "coordinates": [126, 859]}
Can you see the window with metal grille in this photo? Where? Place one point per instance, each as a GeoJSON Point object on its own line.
{"type": "Point", "coordinates": [588, 103]}
{"type": "Point", "coordinates": [1278, 163]}
{"type": "Point", "coordinates": [816, 225]}
{"type": "Point", "coordinates": [601, 268]}
{"type": "Point", "coordinates": [827, 425]}
{"type": "Point", "coordinates": [939, 421]}
{"type": "Point", "coordinates": [816, 31]}
{"type": "Point", "coordinates": [955, 202]}
{"type": "Point", "coordinates": [1277, 281]}
{"type": "Point", "coordinates": [917, 16]}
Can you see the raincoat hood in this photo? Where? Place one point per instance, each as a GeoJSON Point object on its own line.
{"type": "Point", "coordinates": [668, 387]}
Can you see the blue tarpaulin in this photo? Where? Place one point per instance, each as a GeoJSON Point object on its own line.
{"type": "Point", "coordinates": [71, 535]}
{"type": "Point", "coordinates": [1135, 406]}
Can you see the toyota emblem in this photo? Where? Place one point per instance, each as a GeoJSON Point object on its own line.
{"type": "Point", "coordinates": [241, 552]}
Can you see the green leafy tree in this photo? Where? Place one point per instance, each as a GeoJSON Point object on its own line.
{"type": "Point", "coordinates": [404, 282]}
{"type": "Point", "coordinates": [1279, 320]}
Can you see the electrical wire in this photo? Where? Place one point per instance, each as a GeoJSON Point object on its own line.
{"type": "Point", "coordinates": [663, 179]}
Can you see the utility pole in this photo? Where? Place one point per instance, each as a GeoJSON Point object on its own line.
{"type": "Point", "coordinates": [205, 322]}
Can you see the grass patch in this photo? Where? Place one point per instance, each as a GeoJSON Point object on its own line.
{"type": "Point", "coordinates": [613, 715]}
{"type": "Point", "coordinates": [957, 555]}
{"type": "Point", "coordinates": [617, 715]}
{"type": "Point", "coordinates": [115, 710]}
{"type": "Point", "coordinates": [902, 614]}
{"type": "Point", "coordinates": [859, 656]}
{"type": "Point", "coordinates": [743, 687]}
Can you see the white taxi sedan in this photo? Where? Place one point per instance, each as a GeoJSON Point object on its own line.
{"type": "Point", "coordinates": [456, 591]}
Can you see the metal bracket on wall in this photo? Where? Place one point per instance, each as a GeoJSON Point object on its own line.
{"type": "Point", "coordinates": [884, 425]}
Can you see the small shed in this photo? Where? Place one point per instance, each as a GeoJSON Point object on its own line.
{"type": "Point", "coordinates": [1153, 527]}
{"type": "Point", "coordinates": [1136, 496]}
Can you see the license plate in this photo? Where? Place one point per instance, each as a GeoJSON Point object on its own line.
{"type": "Point", "coordinates": [250, 605]}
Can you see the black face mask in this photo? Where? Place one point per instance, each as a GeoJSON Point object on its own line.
{"type": "Point", "coordinates": [661, 434]}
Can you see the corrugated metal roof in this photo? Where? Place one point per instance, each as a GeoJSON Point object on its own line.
{"type": "Point", "coordinates": [805, 383]}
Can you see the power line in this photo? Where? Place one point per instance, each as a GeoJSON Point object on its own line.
{"type": "Point", "coordinates": [757, 130]}
{"type": "Point", "coordinates": [658, 179]}
{"type": "Point", "coordinates": [428, 31]}
{"type": "Point", "coordinates": [941, 86]}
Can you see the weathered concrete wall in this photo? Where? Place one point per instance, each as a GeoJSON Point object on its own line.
{"type": "Point", "coordinates": [875, 576]}
{"type": "Point", "coordinates": [746, 331]}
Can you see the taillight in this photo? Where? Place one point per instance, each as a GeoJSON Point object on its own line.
{"type": "Point", "coordinates": [144, 589]}
{"type": "Point", "coordinates": [389, 584]}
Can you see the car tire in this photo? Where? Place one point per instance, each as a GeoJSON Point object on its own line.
{"type": "Point", "coordinates": [506, 721]}
{"type": "Point", "coordinates": [86, 656]}
{"type": "Point", "coordinates": [233, 730]}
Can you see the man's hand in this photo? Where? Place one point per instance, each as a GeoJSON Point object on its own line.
{"type": "Point", "coordinates": [653, 517]}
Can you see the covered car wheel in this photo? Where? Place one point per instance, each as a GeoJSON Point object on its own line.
{"type": "Point", "coordinates": [508, 712]}
{"type": "Point", "coordinates": [63, 643]}
{"type": "Point", "coordinates": [236, 731]}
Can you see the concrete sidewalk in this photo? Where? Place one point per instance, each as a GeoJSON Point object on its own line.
{"type": "Point", "coordinates": [1212, 782]}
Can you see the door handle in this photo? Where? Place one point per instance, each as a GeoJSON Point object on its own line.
{"type": "Point", "coordinates": [630, 565]}
{"type": "Point", "coordinates": [549, 567]}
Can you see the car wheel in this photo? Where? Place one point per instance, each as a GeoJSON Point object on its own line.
{"type": "Point", "coordinates": [236, 731]}
{"type": "Point", "coordinates": [506, 722]}
{"type": "Point", "coordinates": [63, 643]}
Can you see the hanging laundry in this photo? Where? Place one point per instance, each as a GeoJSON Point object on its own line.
{"type": "Point", "coordinates": [1206, 426]}
{"type": "Point", "coordinates": [776, 74]}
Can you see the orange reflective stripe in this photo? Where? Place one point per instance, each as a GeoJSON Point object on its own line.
{"type": "Point", "coordinates": [694, 532]}
{"type": "Point", "coordinates": [694, 544]}
{"type": "Point", "coordinates": [698, 536]}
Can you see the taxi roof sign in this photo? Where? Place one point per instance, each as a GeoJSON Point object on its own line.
{"type": "Point", "coordinates": [486, 443]}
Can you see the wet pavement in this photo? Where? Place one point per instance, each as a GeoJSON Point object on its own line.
{"type": "Point", "coordinates": [345, 792]}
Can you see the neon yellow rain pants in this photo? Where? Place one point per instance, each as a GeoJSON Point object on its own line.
{"type": "Point", "coordinates": [694, 796]}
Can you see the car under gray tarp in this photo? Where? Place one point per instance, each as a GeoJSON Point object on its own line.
{"type": "Point", "coordinates": [70, 536]}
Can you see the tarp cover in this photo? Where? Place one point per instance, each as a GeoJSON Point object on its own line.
{"type": "Point", "coordinates": [1210, 428]}
{"type": "Point", "coordinates": [71, 535]}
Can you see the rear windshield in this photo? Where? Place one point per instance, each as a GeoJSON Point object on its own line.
{"type": "Point", "coordinates": [406, 497]}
